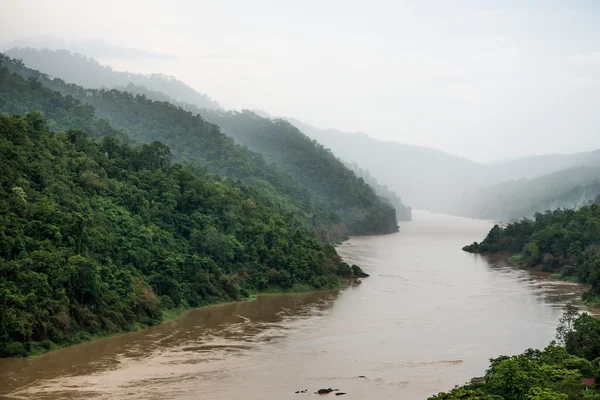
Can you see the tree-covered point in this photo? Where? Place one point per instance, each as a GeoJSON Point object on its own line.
{"type": "Point", "coordinates": [99, 237]}
{"type": "Point", "coordinates": [308, 180]}
{"type": "Point", "coordinates": [563, 241]}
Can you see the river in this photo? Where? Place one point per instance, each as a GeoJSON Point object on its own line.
{"type": "Point", "coordinates": [429, 317]}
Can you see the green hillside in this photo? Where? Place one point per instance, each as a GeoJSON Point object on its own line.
{"type": "Point", "coordinates": [99, 236]}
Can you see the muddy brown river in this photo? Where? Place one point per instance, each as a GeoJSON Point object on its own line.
{"type": "Point", "coordinates": [429, 317]}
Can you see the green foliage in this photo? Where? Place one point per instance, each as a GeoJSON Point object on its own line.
{"type": "Point", "coordinates": [465, 394]}
{"type": "Point", "coordinates": [538, 393]}
{"type": "Point", "coordinates": [584, 339]}
{"type": "Point", "coordinates": [550, 374]}
{"type": "Point", "coordinates": [99, 237]}
{"type": "Point", "coordinates": [566, 323]}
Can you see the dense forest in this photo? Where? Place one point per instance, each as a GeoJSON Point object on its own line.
{"type": "Point", "coordinates": [564, 241]}
{"type": "Point", "coordinates": [89, 73]}
{"type": "Point", "coordinates": [309, 181]}
{"type": "Point", "coordinates": [99, 237]}
{"type": "Point", "coordinates": [282, 143]}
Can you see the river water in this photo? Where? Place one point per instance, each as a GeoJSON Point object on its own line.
{"type": "Point", "coordinates": [429, 317]}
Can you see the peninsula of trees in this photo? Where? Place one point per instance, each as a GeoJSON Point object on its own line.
{"type": "Point", "coordinates": [99, 237]}
{"type": "Point", "coordinates": [564, 241]}
{"type": "Point", "coordinates": [104, 228]}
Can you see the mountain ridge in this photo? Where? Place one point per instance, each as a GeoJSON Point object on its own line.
{"type": "Point", "coordinates": [196, 140]}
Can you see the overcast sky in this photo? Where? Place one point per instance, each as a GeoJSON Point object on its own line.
{"type": "Point", "coordinates": [482, 79]}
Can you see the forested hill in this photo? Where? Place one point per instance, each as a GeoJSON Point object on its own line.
{"type": "Point", "coordinates": [195, 140]}
{"type": "Point", "coordinates": [282, 143]}
{"type": "Point", "coordinates": [563, 241]}
{"type": "Point", "coordinates": [328, 178]}
{"type": "Point", "coordinates": [89, 73]}
{"type": "Point", "coordinates": [334, 185]}
{"type": "Point", "coordinates": [99, 237]}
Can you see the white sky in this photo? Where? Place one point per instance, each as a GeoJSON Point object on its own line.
{"type": "Point", "coordinates": [482, 79]}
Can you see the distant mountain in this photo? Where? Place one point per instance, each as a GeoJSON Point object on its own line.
{"type": "Point", "coordinates": [437, 181]}
{"type": "Point", "coordinates": [568, 188]}
{"type": "Point", "coordinates": [89, 73]}
{"type": "Point", "coordinates": [92, 48]}
{"type": "Point", "coordinates": [532, 166]}
{"type": "Point", "coordinates": [427, 178]}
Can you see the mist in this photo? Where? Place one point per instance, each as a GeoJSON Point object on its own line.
{"type": "Point", "coordinates": [482, 80]}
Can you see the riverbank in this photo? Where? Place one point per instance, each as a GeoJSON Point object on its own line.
{"type": "Point", "coordinates": [41, 348]}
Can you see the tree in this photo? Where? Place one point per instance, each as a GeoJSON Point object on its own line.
{"type": "Point", "coordinates": [584, 339]}
{"type": "Point", "coordinates": [538, 393]}
{"type": "Point", "coordinates": [465, 394]}
{"type": "Point", "coordinates": [566, 322]}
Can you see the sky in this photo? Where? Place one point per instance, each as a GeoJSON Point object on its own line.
{"type": "Point", "coordinates": [486, 80]}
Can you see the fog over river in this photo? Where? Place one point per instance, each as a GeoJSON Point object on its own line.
{"type": "Point", "coordinates": [429, 317]}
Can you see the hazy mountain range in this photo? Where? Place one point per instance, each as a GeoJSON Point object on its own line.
{"type": "Point", "coordinates": [87, 72]}
{"type": "Point", "coordinates": [423, 177]}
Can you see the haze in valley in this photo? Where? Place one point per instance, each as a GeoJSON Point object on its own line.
{"type": "Point", "coordinates": [483, 80]}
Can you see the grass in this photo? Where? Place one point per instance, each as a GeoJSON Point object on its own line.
{"type": "Point", "coordinates": [174, 313]}
{"type": "Point", "coordinates": [37, 349]}
{"type": "Point", "coordinates": [516, 259]}
{"type": "Point", "coordinates": [593, 301]}
{"type": "Point", "coordinates": [566, 278]}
